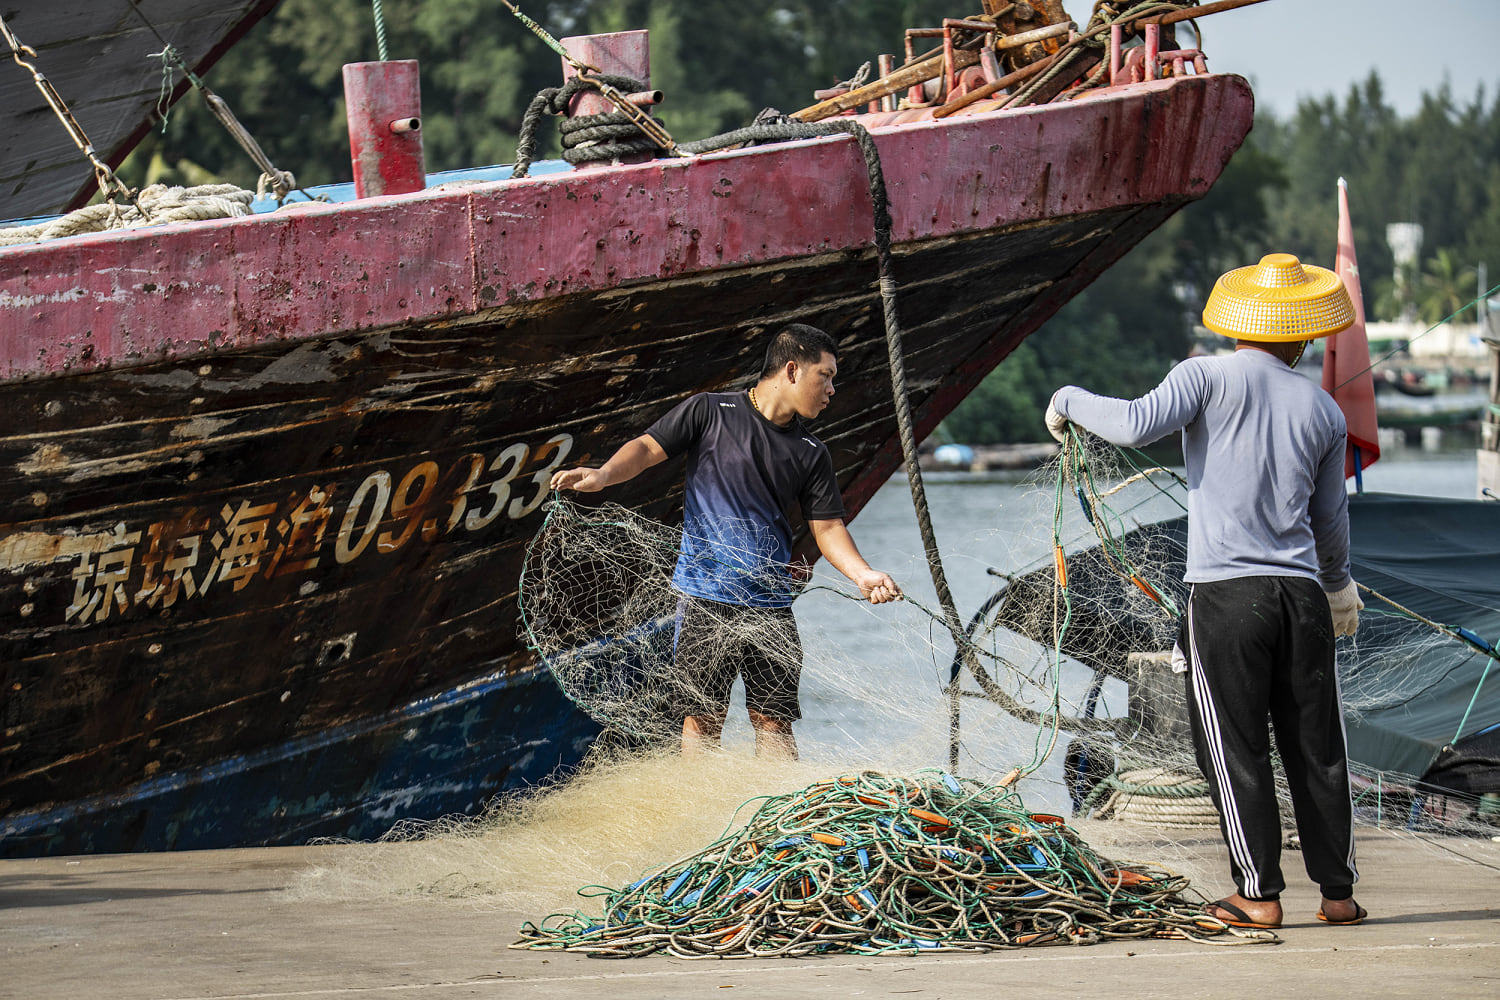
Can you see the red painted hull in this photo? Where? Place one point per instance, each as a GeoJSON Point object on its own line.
{"type": "Point", "coordinates": [270, 476]}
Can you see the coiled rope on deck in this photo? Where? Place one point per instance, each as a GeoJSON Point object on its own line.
{"type": "Point", "coordinates": [586, 138]}
{"type": "Point", "coordinates": [157, 205]}
{"type": "Point", "coordinates": [873, 863]}
{"type": "Point", "coordinates": [1154, 797]}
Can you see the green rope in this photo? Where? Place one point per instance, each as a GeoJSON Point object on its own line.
{"type": "Point", "coordinates": [379, 29]}
{"type": "Point", "coordinates": [879, 864]}
{"type": "Point", "coordinates": [1101, 516]}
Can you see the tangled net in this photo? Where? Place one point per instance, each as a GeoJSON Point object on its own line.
{"type": "Point", "coordinates": [875, 864]}
{"type": "Point", "coordinates": [598, 606]}
{"type": "Point", "coordinates": [1055, 661]}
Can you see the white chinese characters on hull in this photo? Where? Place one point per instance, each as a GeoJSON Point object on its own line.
{"type": "Point", "coordinates": [156, 566]}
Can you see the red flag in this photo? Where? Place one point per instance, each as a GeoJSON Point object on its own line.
{"type": "Point", "coordinates": [1346, 357]}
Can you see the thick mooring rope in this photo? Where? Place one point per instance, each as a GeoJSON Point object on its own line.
{"type": "Point", "coordinates": [587, 138]}
{"type": "Point", "coordinates": [1154, 797]}
{"type": "Point", "coordinates": [873, 863]}
{"type": "Point", "coordinates": [161, 204]}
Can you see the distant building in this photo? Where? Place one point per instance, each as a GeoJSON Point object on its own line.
{"type": "Point", "coordinates": [1452, 340]}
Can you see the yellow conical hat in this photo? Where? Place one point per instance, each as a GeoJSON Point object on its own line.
{"type": "Point", "coordinates": [1278, 299]}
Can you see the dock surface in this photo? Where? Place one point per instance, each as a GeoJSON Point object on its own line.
{"type": "Point", "coordinates": [222, 924]}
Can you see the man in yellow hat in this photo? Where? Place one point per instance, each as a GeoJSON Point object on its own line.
{"type": "Point", "coordinates": [1268, 564]}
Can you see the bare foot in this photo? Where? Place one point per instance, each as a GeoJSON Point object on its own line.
{"type": "Point", "coordinates": [1237, 911]}
{"type": "Point", "coordinates": [1341, 911]}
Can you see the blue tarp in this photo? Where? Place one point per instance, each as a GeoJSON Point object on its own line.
{"type": "Point", "coordinates": [1441, 560]}
{"type": "Point", "coordinates": [1409, 687]}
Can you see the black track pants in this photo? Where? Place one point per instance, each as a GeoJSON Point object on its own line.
{"type": "Point", "coordinates": [1260, 646]}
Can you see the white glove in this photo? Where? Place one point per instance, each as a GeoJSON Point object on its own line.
{"type": "Point", "coordinates": [1057, 424]}
{"type": "Point", "coordinates": [1345, 605]}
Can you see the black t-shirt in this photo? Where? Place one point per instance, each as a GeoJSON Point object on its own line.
{"type": "Point", "coordinates": [743, 475]}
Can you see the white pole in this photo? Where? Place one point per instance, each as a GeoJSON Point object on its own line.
{"type": "Point", "coordinates": [1488, 457]}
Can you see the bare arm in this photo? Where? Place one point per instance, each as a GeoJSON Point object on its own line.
{"type": "Point", "coordinates": [838, 547]}
{"type": "Point", "coordinates": [633, 458]}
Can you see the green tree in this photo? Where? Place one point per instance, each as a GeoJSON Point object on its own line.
{"type": "Point", "coordinates": [1437, 168]}
{"type": "Point", "coordinates": [1483, 243]}
{"type": "Point", "coordinates": [1445, 289]}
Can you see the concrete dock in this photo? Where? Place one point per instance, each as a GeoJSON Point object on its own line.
{"type": "Point", "coordinates": [221, 924]}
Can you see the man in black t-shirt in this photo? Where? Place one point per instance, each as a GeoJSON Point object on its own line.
{"type": "Point", "coordinates": [749, 458]}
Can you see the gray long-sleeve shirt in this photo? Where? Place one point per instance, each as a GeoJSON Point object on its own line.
{"type": "Point", "coordinates": [1264, 448]}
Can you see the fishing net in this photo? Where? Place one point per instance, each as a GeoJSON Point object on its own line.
{"type": "Point", "coordinates": [599, 608]}
{"type": "Point", "coordinates": [876, 864]}
{"type": "Point", "coordinates": [1083, 667]}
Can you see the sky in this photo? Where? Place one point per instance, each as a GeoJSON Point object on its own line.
{"type": "Point", "coordinates": [1293, 49]}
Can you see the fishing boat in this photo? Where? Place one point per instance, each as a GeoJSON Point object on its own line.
{"type": "Point", "coordinates": [266, 481]}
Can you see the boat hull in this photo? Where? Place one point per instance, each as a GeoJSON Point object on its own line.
{"type": "Point", "coordinates": [271, 480]}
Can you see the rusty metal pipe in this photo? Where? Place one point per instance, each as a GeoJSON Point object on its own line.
{"type": "Point", "coordinates": [645, 98]}
{"type": "Point", "coordinates": [1035, 35]}
{"type": "Point", "coordinates": [967, 25]}
{"type": "Point", "coordinates": [1189, 13]}
{"type": "Point", "coordinates": [980, 93]}
{"type": "Point", "coordinates": [885, 63]}
{"type": "Point", "coordinates": [907, 76]}
{"type": "Point", "coordinates": [950, 69]}
{"type": "Point", "coordinates": [921, 71]}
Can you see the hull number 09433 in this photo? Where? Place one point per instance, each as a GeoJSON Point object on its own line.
{"type": "Point", "coordinates": [187, 556]}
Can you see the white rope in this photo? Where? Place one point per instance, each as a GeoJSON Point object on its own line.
{"type": "Point", "coordinates": [162, 204]}
{"type": "Point", "coordinates": [1178, 812]}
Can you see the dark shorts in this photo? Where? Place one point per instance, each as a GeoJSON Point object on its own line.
{"type": "Point", "coordinates": [718, 642]}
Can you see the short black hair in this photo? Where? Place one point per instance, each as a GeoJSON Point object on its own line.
{"type": "Point", "coordinates": [798, 342]}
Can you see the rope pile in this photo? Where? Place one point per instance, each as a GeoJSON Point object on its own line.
{"type": "Point", "coordinates": [1154, 797]}
{"type": "Point", "coordinates": [159, 203]}
{"type": "Point", "coordinates": [872, 864]}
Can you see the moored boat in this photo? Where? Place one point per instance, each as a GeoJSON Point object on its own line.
{"type": "Point", "coordinates": [266, 481]}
